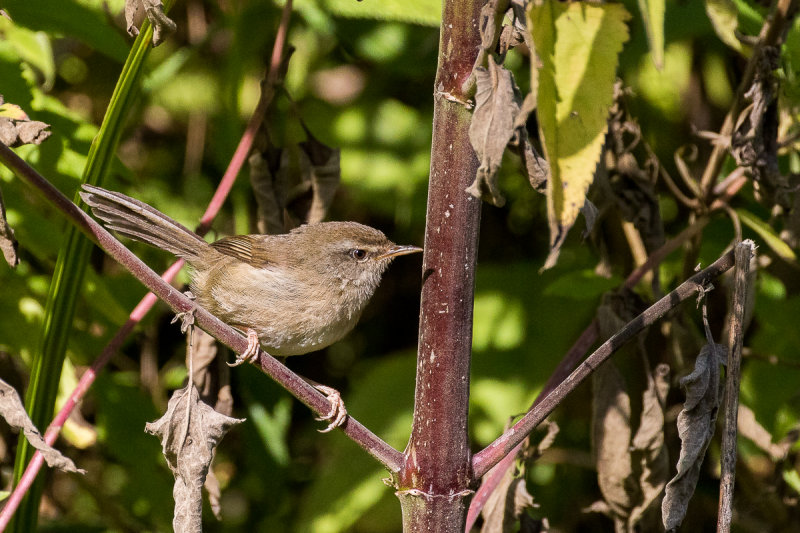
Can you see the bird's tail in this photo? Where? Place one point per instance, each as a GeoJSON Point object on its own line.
{"type": "Point", "coordinates": [139, 221]}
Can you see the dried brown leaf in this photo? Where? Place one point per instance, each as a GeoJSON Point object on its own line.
{"type": "Point", "coordinates": [510, 498]}
{"type": "Point", "coordinates": [211, 376]}
{"type": "Point", "coordinates": [12, 410]}
{"type": "Point", "coordinates": [32, 132]}
{"type": "Point", "coordinates": [136, 10]}
{"type": "Point", "coordinates": [516, 33]}
{"type": "Point", "coordinates": [8, 244]}
{"type": "Point", "coordinates": [536, 166]}
{"type": "Point", "coordinates": [8, 132]}
{"type": "Point", "coordinates": [269, 188]}
{"type": "Point", "coordinates": [611, 439]}
{"type": "Point", "coordinates": [491, 20]}
{"type": "Point", "coordinates": [214, 493]}
{"type": "Point", "coordinates": [750, 429]}
{"type": "Point", "coordinates": [16, 128]}
{"type": "Point", "coordinates": [189, 431]}
{"type": "Point", "coordinates": [648, 448]}
{"type": "Point", "coordinates": [505, 505]}
{"type": "Point", "coordinates": [497, 104]}
{"type": "Point", "coordinates": [297, 183]}
{"type": "Point", "coordinates": [325, 176]}
{"type": "Point", "coordinates": [754, 143]}
{"type": "Point", "coordinates": [696, 424]}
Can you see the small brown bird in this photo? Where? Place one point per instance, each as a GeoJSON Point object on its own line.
{"type": "Point", "coordinates": [292, 293]}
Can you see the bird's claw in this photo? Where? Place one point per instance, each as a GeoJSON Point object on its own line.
{"type": "Point", "coordinates": [337, 414]}
{"type": "Point", "coordinates": [251, 351]}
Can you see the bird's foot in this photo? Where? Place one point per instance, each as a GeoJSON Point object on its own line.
{"type": "Point", "coordinates": [338, 413]}
{"type": "Point", "coordinates": [251, 351]}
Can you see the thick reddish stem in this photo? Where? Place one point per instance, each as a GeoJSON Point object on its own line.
{"type": "Point", "coordinates": [437, 476]}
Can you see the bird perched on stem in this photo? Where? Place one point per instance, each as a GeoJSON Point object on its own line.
{"type": "Point", "coordinates": [291, 293]}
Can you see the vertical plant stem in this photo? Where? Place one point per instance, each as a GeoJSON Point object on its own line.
{"type": "Point", "coordinates": [436, 479]}
{"type": "Point", "coordinates": [743, 254]}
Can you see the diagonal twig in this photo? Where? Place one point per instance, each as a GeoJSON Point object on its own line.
{"type": "Point", "coordinates": [489, 456]}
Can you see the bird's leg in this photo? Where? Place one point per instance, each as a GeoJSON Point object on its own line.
{"type": "Point", "coordinates": [252, 348]}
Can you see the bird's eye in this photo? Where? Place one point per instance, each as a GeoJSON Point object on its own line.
{"type": "Point", "coordinates": [358, 254]}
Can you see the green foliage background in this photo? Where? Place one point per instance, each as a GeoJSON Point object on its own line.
{"type": "Point", "coordinates": [362, 77]}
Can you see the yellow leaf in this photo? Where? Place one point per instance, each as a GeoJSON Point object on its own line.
{"type": "Point", "coordinates": [578, 46]}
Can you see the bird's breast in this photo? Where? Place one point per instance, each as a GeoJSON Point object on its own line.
{"type": "Point", "coordinates": [291, 316]}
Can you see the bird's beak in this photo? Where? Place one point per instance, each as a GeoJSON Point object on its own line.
{"type": "Point", "coordinates": [399, 249]}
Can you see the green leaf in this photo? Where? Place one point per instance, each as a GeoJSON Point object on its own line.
{"type": "Point", "coordinates": [578, 45]}
{"type": "Point", "coordinates": [653, 16]}
{"type": "Point", "coordinates": [67, 17]}
{"type": "Point", "coordinates": [767, 234]}
{"type": "Point", "coordinates": [273, 427]}
{"type": "Point", "coordinates": [724, 16]}
{"type": "Point", "coordinates": [751, 16]}
{"type": "Point", "coordinates": [792, 478]}
{"type": "Point", "coordinates": [33, 47]}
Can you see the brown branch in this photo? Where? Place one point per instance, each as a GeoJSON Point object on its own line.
{"type": "Point", "coordinates": [744, 252]}
{"type": "Point", "coordinates": [388, 456]}
{"type": "Point", "coordinates": [492, 454]}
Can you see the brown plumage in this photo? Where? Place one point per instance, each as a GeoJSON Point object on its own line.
{"type": "Point", "coordinates": [298, 292]}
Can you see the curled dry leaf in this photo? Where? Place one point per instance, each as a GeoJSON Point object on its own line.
{"type": "Point", "coordinates": [631, 472]}
{"type": "Point", "coordinates": [136, 10]}
{"type": "Point", "coordinates": [754, 143]}
{"type": "Point", "coordinates": [536, 166]}
{"type": "Point", "coordinates": [16, 128]}
{"type": "Point", "coordinates": [269, 189]}
{"type": "Point", "coordinates": [189, 431]}
{"type": "Point", "coordinates": [695, 428]}
{"type": "Point", "coordinates": [506, 505]}
{"type": "Point", "coordinates": [632, 467]}
{"type": "Point", "coordinates": [324, 177]}
{"type": "Point", "coordinates": [629, 186]}
{"type": "Point", "coordinates": [299, 182]}
{"type": "Point", "coordinates": [12, 410]}
{"type": "Point", "coordinates": [497, 104]}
